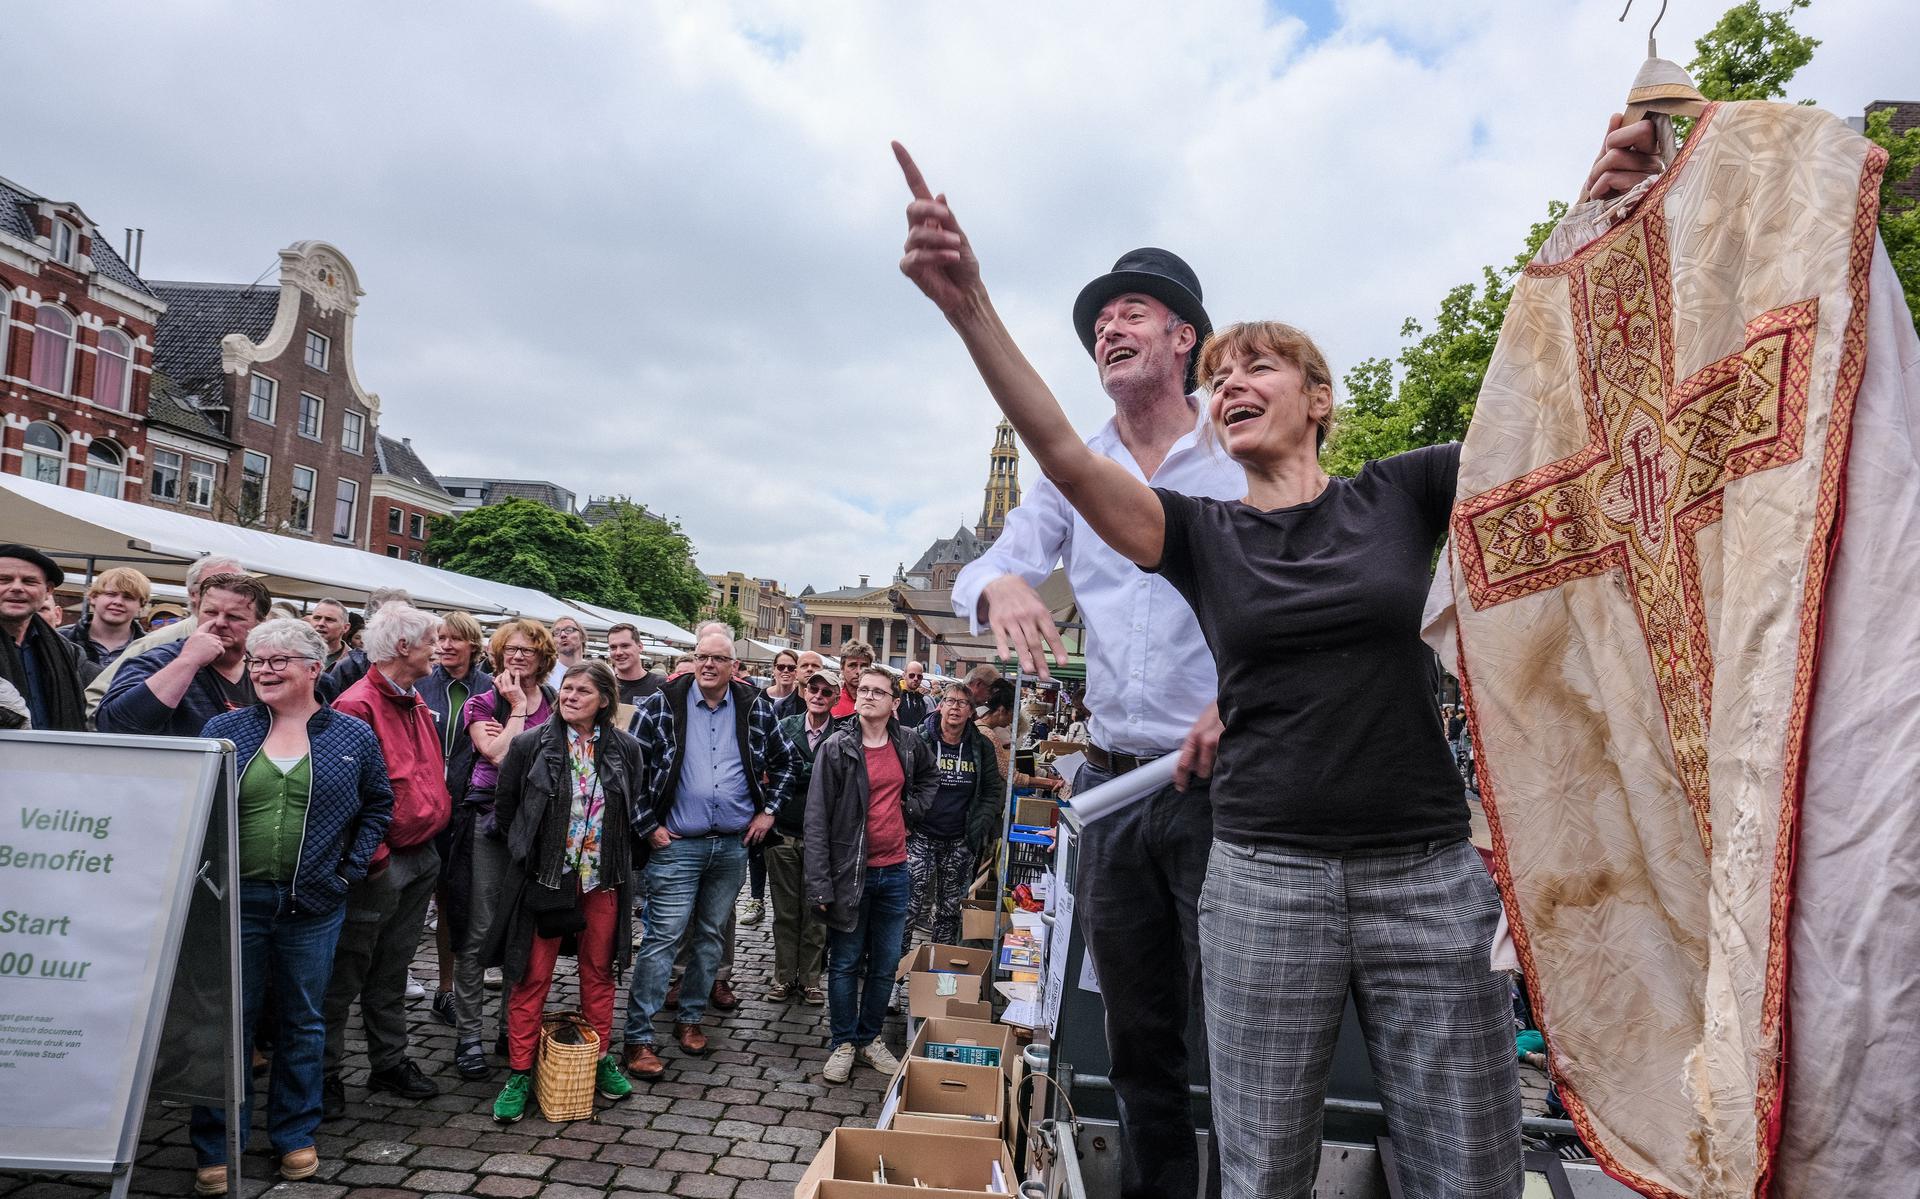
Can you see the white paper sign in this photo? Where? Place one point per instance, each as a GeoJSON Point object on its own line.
{"type": "Point", "coordinates": [94, 848]}
{"type": "Point", "coordinates": [1057, 943]}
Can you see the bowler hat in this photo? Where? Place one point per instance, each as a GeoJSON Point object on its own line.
{"type": "Point", "coordinates": [1161, 274]}
{"type": "Point", "coordinates": [26, 553]}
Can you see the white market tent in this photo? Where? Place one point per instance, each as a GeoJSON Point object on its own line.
{"type": "Point", "coordinates": [75, 526]}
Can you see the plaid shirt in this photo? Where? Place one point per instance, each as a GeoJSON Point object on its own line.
{"type": "Point", "coordinates": [658, 726]}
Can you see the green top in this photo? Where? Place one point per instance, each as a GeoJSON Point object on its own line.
{"type": "Point", "coordinates": [273, 815]}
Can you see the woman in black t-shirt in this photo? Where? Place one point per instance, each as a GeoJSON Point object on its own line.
{"type": "Point", "coordinates": [1340, 863]}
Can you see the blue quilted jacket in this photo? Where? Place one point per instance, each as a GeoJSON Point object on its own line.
{"type": "Point", "coordinates": [347, 810]}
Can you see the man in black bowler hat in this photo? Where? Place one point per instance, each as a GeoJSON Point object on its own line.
{"type": "Point", "coordinates": [1151, 688]}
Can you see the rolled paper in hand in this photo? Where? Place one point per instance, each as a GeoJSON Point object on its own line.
{"type": "Point", "coordinates": [1117, 793]}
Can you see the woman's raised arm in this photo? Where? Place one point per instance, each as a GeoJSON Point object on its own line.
{"type": "Point", "coordinates": [1122, 510]}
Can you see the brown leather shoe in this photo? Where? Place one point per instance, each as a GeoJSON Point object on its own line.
{"type": "Point", "coordinates": [300, 1163]}
{"type": "Point", "coordinates": [723, 998]}
{"type": "Point", "coordinates": [692, 1041]}
{"type": "Point", "coordinates": [643, 1063]}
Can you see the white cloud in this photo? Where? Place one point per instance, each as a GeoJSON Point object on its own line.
{"type": "Point", "coordinates": [649, 249]}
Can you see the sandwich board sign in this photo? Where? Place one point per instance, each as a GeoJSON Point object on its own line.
{"type": "Point", "coordinates": [103, 845]}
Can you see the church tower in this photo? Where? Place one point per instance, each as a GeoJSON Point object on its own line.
{"type": "Point", "coordinates": [1003, 484]}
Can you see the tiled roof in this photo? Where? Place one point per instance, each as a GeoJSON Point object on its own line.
{"type": "Point", "coordinates": [395, 457]}
{"type": "Point", "coordinates": [16, 217]}
{"type": "Point", "coordinates": [846, 593]}
{"type": "Point", "coordinates": [167, 405]}
{"type": "Point", "coordinates": [963, 547]}
{"type": "Point", "coordinates": [187, 342]}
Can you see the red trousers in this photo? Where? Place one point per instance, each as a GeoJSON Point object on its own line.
{"type": "Point", "coordinates": [528, 998]}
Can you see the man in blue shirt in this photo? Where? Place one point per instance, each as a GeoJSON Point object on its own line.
{"type": "Point", "coordinates": [709, 745]}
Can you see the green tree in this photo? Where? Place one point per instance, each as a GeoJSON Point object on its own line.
{"type": "Point", "coordinates": [729, 615]}
{"type": "Point", "coordinates": [1900, 215]}
{"type": "Point", "coordinates": [654, 560]}
{"type": "Point", "coordinates": [1750, 54]}
{"type": "Point", "coordinates": [1439, 372]}
{"type": "Point", "coordinates": [530, 545]}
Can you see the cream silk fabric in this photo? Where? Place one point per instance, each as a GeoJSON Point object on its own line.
{"type": "Point", "coordinates": [1641, 559]}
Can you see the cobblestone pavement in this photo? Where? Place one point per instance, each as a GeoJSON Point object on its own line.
{"type": "Point", "coordinates": [740, 1123]}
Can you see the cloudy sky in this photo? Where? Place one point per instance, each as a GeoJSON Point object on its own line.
{"type": "Point", "coordinates": [650, 248]}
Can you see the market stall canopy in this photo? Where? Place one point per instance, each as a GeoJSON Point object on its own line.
{"type": "Point", "coordinates": [652, 628]}
{"type": "Point", "coordinates": [74, 526]}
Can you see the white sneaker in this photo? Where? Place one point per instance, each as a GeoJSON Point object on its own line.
{"type": "Point", "coordinates": [839, 1065]}
{"type": "Point", "coordinates": [414, 989]}
{"type": "Point", "coordinates": [876, 1054]}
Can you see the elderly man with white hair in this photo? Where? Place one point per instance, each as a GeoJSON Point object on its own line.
{"type": "Point", "coordinates": [385, 912]}
{"type": "Point", "coordinates": [179, 630]}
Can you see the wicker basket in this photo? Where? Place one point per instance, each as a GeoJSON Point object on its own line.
{"type": "Point", "coordinates": [563, 1080]}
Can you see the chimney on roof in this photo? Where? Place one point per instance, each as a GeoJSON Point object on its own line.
{"type": "Point", "coordinates": [863, 580]}
{"type": "Point", "coordinates": [407, 441]}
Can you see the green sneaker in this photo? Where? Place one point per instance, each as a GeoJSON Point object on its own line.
{"type": "Point", "coordinates": [611, 1080]}
{"type": "Point", "coordinates": [512, 1103]}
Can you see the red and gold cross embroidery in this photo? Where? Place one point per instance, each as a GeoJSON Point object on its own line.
{"type": "Point", "coordinates": [1652, 474]}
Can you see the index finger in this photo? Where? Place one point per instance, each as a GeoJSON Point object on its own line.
{"type": "Point", "coordinates": [915, 182]}
{"type": "Point", "coordinates": [1637, 136]}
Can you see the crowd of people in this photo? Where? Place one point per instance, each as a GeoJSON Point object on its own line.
{"type": "Point", "coordinates": [536, 800]}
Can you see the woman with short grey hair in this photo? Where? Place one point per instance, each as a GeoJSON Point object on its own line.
{"type": "Point", "coordinates": [314, 805]}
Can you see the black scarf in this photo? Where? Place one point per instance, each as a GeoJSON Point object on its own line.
{"type": "Point", "coordinates": [59, 681]}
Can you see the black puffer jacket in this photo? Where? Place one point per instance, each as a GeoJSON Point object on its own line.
{"type": "Point", "coordinates": [836, 846]}
{"type": "Point", "coordinates": [534, 771]}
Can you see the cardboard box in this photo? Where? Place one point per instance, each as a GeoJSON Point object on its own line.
{"type": "Point", "coordinates": [835, 1188]}
{"type": "Point", "coordinates": [849, 1156]}
{"type": "Point", "coordinates": [980, 919]}
{"type": "Point", "coordinates": [982, 1011]}
{"type": "Point", "coordinates": [950, 1099]}
{"type": "Point", "coordinates": [1040, 813]}
{"type": "Point", "coordinates": [938, 973]}
{"type": "Point", "coordinates": [969, 1042]}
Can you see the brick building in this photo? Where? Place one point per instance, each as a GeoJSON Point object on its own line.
{"type": "Point", "coordinates": [767, 609]}
{"type": "Point", "coordinates": [269, 369]}
{"type": "Point", "coordinates": [406, 498]}
{"type": "Point", "coordinates": [76, 350]}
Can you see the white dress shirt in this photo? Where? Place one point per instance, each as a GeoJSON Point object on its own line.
{"type": "Point", "coordinates": [1149, 672]}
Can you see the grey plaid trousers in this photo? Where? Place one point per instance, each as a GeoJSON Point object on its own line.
{"type": "Point", "coordinates": [1284, 935]}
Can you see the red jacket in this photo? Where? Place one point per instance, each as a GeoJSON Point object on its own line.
{"type": "Point", "coordinates": [404, 724]}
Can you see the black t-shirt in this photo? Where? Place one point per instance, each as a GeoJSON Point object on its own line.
{"type": "Point", "coordinates": [953, 767]}
{"type": "Point", "coordinates": [632, 691]}
{"type": "Point", "coordinates": [1333, 739]}
{"type": "Point", "coordinates": [233, 695]}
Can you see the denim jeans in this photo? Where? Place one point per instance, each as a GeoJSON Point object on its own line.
{"type": "Point", "coordinates": [687, 891]}
{"type": "Point", "coordinates": [856, 1014]}
{"type": "Point", "coordinates": [297, 953]}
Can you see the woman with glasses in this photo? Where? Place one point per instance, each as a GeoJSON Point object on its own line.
{"type": "Point", "coordinates": [565, 800]}
{"type": "Point", "coordinates": [523, 654]}
{"type": "Point", "coordinates": [313, 807]}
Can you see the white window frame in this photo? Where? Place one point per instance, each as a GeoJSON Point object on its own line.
{"type": "Point", "coordinates": [393, 551]}
{"type": "Point", "coordinates": [123, 401]}
{"type": "Point", "coordinates": [160, 463]}
{"type": "Point", "coordinates": [266, 484]}
{"type": "Point", "coordinates": [193, 483]}
{"type": "Point", "coordinates": [325, 347]}
{"type": "Point", "coordinates": [319, 417]}
{"type": "Point", "coordinates": [293, 493]}
{"type": "Point", "coordinates": [273, 397]}
{"type": "Point", "coordinates": [72, 335]}
{"type": "Point", "coordinates": [396, 521]}
{"type": "Point", "coordinates": [31, 452]}
{"type": "Point", "coordinates": [119, 468]}
{"type": "Point", "coordinates": [355, 422]}
{"type": "Point", "coordinates": [66, 249]}
{"type": "Point", "coordinates": [353, 510]}
{"type": "Point", "coordinates": [416, 526]}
